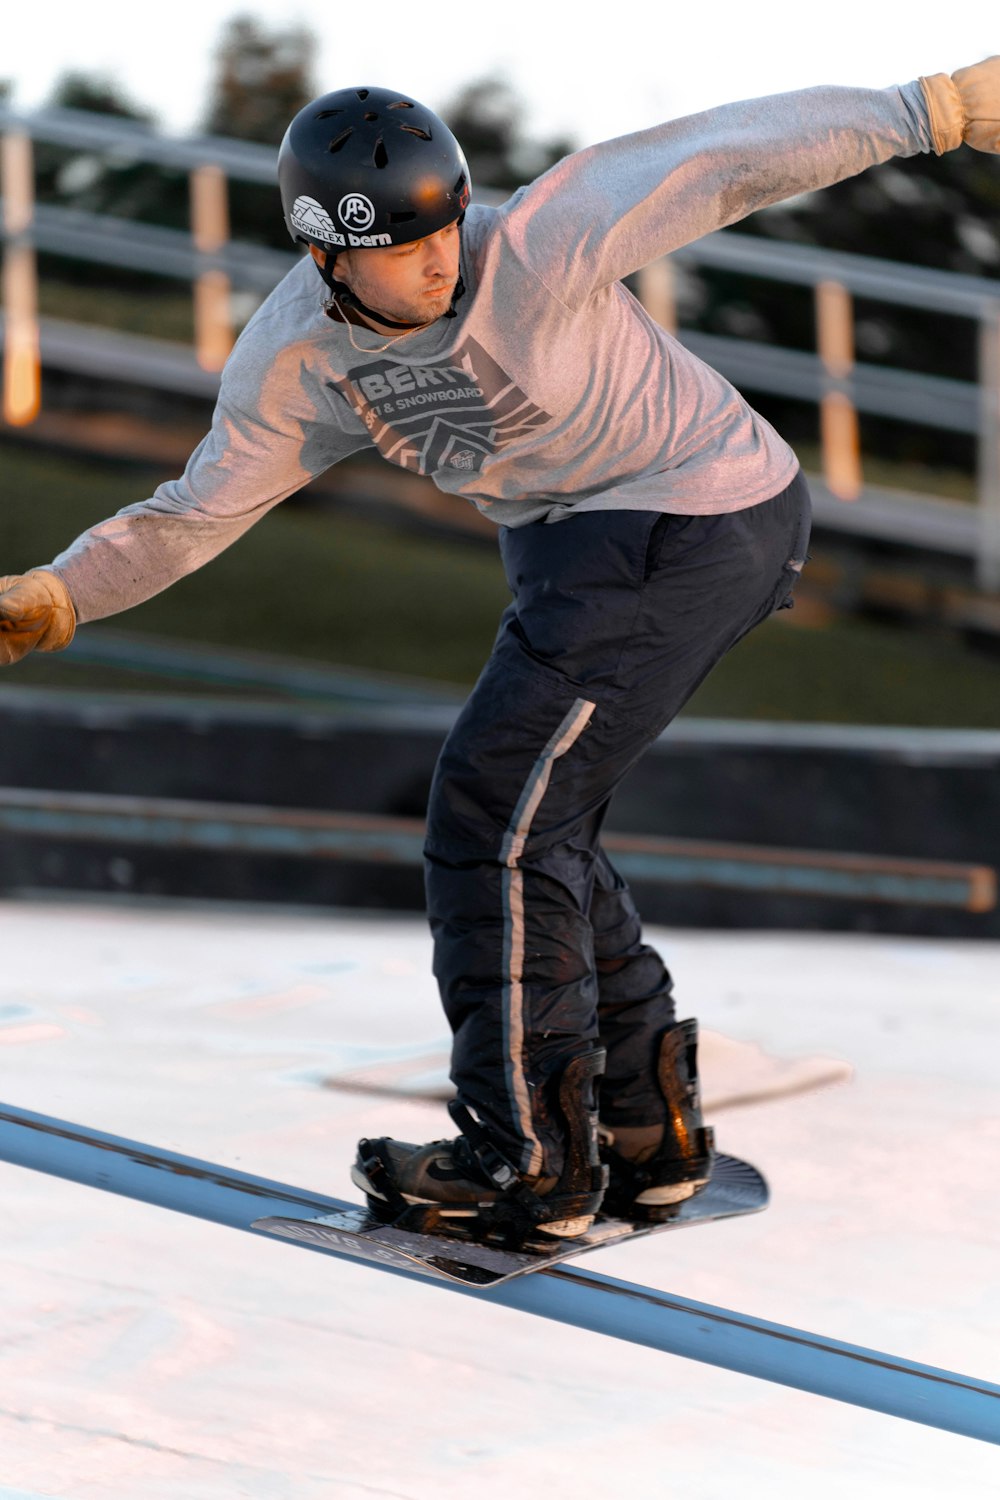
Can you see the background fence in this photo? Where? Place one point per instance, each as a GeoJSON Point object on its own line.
{"type": "Point", "coordinates": [226, 274]}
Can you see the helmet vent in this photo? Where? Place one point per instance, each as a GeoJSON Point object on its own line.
{"type": "Point", "coordinates": [340, 140]}
{"type": "Point", "coordinates": [424, 135]}
{"type": "Point", "coordinates": [400, 104]}
{"type": "Point", "coordinates": [380, 156]}
{"type": "Point", "coordinates": [371, 114]}
{"type": "Point", "coordinates": [363, 93]}
{"type": "Point", "coordinates": [327, 114]}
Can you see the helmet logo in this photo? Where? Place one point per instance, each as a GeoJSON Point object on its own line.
{"type": "Point", "coordinates": [312, 220]}
{"type": "Point", "coordinates": [356, 212]}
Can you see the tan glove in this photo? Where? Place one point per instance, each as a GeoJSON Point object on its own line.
{"type": "Point", "coordinates": [965, 107]}
{"type": "Point", "coordinates": [36, 614]}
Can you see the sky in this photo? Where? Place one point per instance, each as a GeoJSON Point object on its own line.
{"type": "Point", "coordinates": [587, 73]}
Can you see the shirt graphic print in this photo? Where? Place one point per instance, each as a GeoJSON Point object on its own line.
{"type": "Point", "coordinates": [449, 413]}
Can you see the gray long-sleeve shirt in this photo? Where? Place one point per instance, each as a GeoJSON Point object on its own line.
{"type": "Point", "coordinates": [552, 389]}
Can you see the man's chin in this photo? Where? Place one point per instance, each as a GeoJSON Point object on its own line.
{"type": "Point", "coordinates": [440, 299]}
{"type": "Point", "coordinates": [423, 309]}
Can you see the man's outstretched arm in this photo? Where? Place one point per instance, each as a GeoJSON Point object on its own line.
{"type": "Point", "coordinates": [607, 210]}
{"type": "Point", "coordinates": [242, 469]}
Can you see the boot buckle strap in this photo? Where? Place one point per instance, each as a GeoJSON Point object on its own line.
{"type": "Point", "coordinates": [489, 1158]}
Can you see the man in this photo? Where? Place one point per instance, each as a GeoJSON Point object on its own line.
{"type": "Point", "coordinates": [649, 518]}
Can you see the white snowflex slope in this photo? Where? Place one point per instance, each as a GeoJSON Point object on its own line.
{"type": "Point", "coordinates": [148, 1354]}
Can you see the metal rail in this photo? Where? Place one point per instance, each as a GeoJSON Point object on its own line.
{"type": "Point", "coordinates": [619, 1309]}
{"type": "Point", "coordinates": [291, 677]}
{"type": "Point", "coordinates": [106, 240]}
{"type": "Point", "coordinates": [223, 827]}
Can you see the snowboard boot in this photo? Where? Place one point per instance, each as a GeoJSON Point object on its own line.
{"type": "Point", "coordinates": [654, 1167]}
{"type": "Point", "coordinates": [467, 1186]}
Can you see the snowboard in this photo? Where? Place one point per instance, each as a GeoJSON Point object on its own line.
{"type": "Point", "coordinates": [734, 1188]}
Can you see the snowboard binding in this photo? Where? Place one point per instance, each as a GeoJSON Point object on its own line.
{"type": "Point", "coordinates": [647, 1186]}
{"type": "Point", "coordinates": [483, 1196]}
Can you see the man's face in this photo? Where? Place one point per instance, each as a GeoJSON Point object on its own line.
{"type": "Point", "coordinates": [411, 283]}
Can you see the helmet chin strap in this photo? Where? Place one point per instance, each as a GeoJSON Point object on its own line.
{"type": "Point", "coordinates": [347, 298]}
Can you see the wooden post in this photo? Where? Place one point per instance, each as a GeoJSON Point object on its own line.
{"type": "Point", "coordinates": [213, 330]}
{"type": "Point", "coordinates": [988, 464]}
{"type": "Point", "coordinates": [22, 381]}
{"type": "Point", "coordinates": [838, 416]}
{"type": "Point", "coordinates": [656, 293]}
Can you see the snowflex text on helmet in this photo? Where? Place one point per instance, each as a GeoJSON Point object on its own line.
{"type": "Point", "coordinates": [366, 167]}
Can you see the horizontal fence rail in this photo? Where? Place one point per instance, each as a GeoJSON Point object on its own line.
{"type": "Point", "coordinates": [618, 1309]}
{"type": "Point", "coordinates": [938, 401]}
{"type": "Point", "coordinates": [103, 239]}
{"type": "Point", "coordinates": [291, 677]}
{"type": "Point", "coordinates": [127, 141]}
{"type": "Point", "coordinates": [863, 275]}
{"type": "Point", "coordinates": [222, 827]}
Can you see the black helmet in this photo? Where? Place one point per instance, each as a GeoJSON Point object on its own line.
{"type": "Point", "coordinates": [369, 167]}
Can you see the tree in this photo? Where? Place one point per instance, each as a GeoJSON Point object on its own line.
{"type": "Point", "coordinates": [109, 182]}
{"type": "Point", "coordinates": [928, 211]}
{"type": "Point", "coordinates": [263, 78]}
{"type": "Point", "coordinates": [488, 118]}
{"type": "Point", "coordinates": [99, 93]}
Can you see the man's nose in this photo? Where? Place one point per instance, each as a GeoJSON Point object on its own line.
{"type": "Point", "coordinates": [436, 260]}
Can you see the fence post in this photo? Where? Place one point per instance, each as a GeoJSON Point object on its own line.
{"type": "Point", "coordinates": [838, 416]}
{"type": "Point", "coordinates": [656, 293]}
{"type": "Point", "coordinates": [988, 460]}
{"type": "Point", "coordinates": [213, 330]}
{"type": "Point", "coordinates": [21, 354]}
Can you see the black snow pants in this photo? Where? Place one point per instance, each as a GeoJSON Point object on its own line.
{"type": "Point", "coordinates": [617, 616]}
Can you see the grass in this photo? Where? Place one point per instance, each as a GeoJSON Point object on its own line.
{"type": "Point", "coordinates": [327, 584]}
{"type": "Point", "coordinates": [854, 672]}
{"type": "Point", "coordinates": [169, 314]}
{"type": "Point", "coordinates": [309, 581]}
